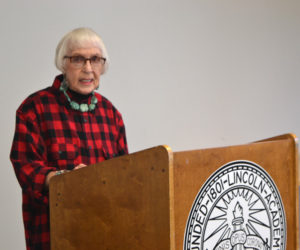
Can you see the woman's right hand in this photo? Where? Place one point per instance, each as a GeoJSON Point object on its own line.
{"type": "Point", "coordinates": [53, 173]}
{"type": "Point", "coordinates": [81, 165]}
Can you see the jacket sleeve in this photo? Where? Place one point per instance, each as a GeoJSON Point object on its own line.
{"type": "Point", "coordinates": [121, 141]}
{"type": "Point", "coordinates": [29, 157]}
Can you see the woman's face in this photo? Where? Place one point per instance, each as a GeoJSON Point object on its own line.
{"type": "Point", "coordinates": [85, 79]}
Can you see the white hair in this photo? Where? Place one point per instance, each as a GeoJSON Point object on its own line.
{"type": "Point", "coordinates": [76, 39]}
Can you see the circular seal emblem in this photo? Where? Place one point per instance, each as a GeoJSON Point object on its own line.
{"type": "Point", "coordinates": [238, 207]}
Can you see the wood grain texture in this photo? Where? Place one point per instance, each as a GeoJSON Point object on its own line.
{"type": "Point", "coordinates": [277, 157]}
{"type": "Point", "coordinates": [123, 203]}
{"type": "Point", "coordinates": [143, 200]}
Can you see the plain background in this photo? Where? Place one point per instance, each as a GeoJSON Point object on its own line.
{"type": "Point", "coordinates": [187, 73]}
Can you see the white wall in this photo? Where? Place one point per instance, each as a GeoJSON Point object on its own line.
{"type": "Point", "coordinates": [188, 73]}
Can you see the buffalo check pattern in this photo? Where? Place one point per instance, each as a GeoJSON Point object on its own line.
{"type": "Point", "coordinates": [51, 136]}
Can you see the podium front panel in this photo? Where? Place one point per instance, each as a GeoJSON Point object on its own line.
{"type": "Point", "coordinates": [244, 196]}
{"type": "Point", "coordinates": [238, 197]}
{"type": "Point", "coordinates": [122, 203]}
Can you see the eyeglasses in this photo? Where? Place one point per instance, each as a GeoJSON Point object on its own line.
{"type": "Point", "coordinates": [80, 61]}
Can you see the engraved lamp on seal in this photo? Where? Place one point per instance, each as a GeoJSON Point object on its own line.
{"type": "Point", "coordinates": [238, 237]}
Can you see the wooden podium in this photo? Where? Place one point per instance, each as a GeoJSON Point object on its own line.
{"type": "Point", "coordinates": [237, 197]}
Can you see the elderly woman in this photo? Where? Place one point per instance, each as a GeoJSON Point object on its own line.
{"type": "Point", "coordinates": [64, 127]}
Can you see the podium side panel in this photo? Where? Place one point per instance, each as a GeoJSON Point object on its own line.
{"type": "Point", "coordinates": [193, 168]}
{"type": "Point", "coordinates": [122, 203]}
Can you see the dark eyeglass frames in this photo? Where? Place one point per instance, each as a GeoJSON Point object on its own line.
{"type": "Point", "coordinates": [80, 61]}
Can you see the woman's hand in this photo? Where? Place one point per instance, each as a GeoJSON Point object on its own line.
{"type": "Point", "coordinates": [81, 165]}
{"type": "Point", "coordinates": [53, 173]}
{"type": "Point", "coordinates": [48, 177]}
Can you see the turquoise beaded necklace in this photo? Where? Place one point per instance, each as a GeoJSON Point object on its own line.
{"type": "Point", "coordinates": [83, 107]}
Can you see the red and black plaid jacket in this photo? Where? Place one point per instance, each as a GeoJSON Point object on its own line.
{"type": "Point", "coordinates": [51, 136]}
